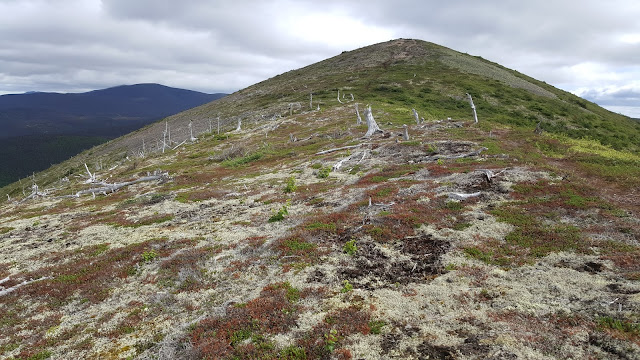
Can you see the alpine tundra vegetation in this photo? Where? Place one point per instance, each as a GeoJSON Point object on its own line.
{"type": "Point", "coordinates": [440, 226]}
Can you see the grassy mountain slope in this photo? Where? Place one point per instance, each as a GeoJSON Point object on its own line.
{"type": "Point", "coordinates": [258, 245]}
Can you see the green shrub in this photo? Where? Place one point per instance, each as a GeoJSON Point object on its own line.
{"type": "Point", "coordinates": [149, 256]}
{"type": "Point", "coordinates": [376, 326]}
{"type": "Point", "coordinates": [346, 286]}
{"type": "Point", "coordinates": [290, 186]}
{"type": "Point", "coordinates": [350, 247]}
{"type": "Point", "coordinates": [324, 172]}
{"type": "Point", "coordinates": [280, 214]}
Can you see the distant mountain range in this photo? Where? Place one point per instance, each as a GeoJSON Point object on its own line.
{"type": "Point", "coordinates": [39, 129]}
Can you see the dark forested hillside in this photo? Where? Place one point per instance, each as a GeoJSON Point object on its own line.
{"type": "Point", "coordinates": [40, 129]}
{"type": "Point", "coordinates": [114, 110]}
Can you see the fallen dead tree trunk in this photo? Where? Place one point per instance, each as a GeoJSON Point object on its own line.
{"type": "Point", "coordinates": [451, 157]}
{"type": "Point", "coordinates": [4, 291]}
{"type": "Point", "coordinates": [340, 148]}
{"type": "Point", "coordinates": [35, 191]}
{"type": "Point", "coordinates": [461, 196]}
{"type": "Point", "coordinates": [339, 164]}
{"type": "Point", "coordinates": [105, 188]}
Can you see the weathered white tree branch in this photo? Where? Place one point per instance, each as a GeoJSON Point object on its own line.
{"type": "Point", "coordinates": [372, 126]}
{"type": "Point", "coordinates": [340, 101]}
{"type": "Point", "coordinates": [4, 291]}
{"type": "Point", "coordinates": [239, 128]}
{"type": "Point", "coordinates": [339, 164]}
{"type": "Point", "coordinates": [473, 107]}
{"type": "Point", "coordinates": [461, 196]}
{"type": "Point", "coordinates": [338, 149]}
{"type": "Point", "coordinates": [358, 114]}
{"type": "Point", "coordinates": [310, 101]}
{"type": "Point", "coordinates": [459, 156]}
{"type": "Point", "coordinates": [177, 146]}
{"type": "Point", "coordinates": [92, 177]}
{"type": "Point", "coordinates": [35, 191]}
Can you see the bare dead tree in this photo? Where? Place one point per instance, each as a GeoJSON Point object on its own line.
{"type": "Point", "coordinates": [164, 135]}
{"type": "Point", "coordinates": [538, 129]}
{"type": "Point", "coordinates": [193, 139]}
{"type": "Point", "coordinates": [473, 107]}
{"type": "Point", "coordinates": [358, 114]}
{"type": "Point", "coordinates": [415, 116]}
{"type": "Point", "coordinates": [372, 126]}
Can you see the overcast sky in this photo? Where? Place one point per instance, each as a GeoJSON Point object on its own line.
{"type": "Point", "coordinates": [588, 47]}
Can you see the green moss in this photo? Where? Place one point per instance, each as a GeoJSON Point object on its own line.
{"type": "Point", "coordinates": [476, 253]}
{"type": "Point", "coordinates": [299, 245]}
{"type": "Point", "coordinates": [376, 326]}
{"type": "Point", "coordinates": [45, 354]}
{"type": "Point", "coordinates": [607, 322]}
{"type": "Point", "coordinates": [454, 205]}
{"type": "Point", "coordinates": [293, 352]}
{"type": "Point", "coordinates": [321, 226]}
{"type": "Point", "coordinates": [234, 163]}
{"type": "Point", "coordinates": [5, 229]}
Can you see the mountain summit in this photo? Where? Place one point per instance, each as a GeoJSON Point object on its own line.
{"type": "Point", "coordinates": [402, 200]}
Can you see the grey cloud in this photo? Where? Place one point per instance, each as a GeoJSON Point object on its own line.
{"type": "Point", "coordinates": [226, 45]}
